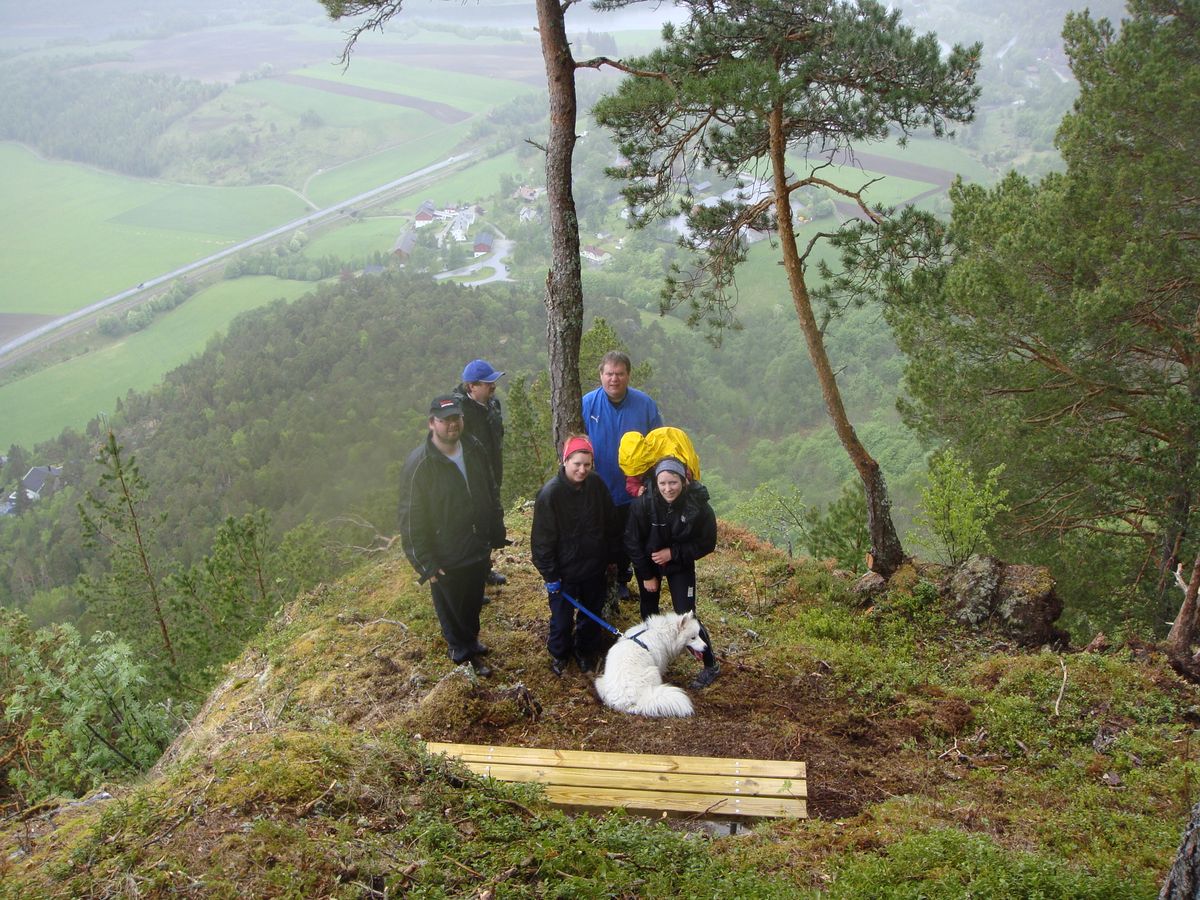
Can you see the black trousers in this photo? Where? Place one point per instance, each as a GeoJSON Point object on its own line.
{"type": "Point", "coordinates": [457, 600]}
{"type": "Point", "coordinates": [683, 598]}
{"type": "Point", "coordinates": [624, 570]}
{"type": "Point", "coordinates": [571, 630]}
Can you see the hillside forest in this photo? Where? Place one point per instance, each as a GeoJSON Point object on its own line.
{"type": "Point", "coordinates": [1039, 343]}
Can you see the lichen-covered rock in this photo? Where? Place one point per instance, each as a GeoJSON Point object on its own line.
{"type": "Point", "coordinates": [1018, 600]}
{"type": "Point", "coordinates": [974, 586]}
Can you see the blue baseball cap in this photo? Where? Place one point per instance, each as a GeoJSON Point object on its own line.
{"type": "Point", "coordinates": [479, 370]}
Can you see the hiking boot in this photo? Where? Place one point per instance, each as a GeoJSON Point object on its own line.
{"type": "Point", "coordinates": [584, 662]}
{"type": "Point", "coordinates": [558, 665]}
{"type": "Point", "coordinates": [495, 578]}
{"type": "Point", "coordinates": [622, 591]}
{"type": "Point", "coordinates": [480, 649]}
{"type": "Point", "coordinates": [705, 677]}
{"type": "Point", "coordinates": [482, 669]}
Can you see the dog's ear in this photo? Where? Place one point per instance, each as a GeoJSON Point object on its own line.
{"type": "Point", "coordinates": [685, 618]}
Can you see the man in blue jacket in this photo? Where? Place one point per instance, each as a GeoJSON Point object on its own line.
{"type": "Point", "coordinates": [450, 521]}
{"type": "Point", "coordinates": [608, 412]}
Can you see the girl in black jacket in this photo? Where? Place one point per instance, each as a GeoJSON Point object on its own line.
{"type": "Point", "coordinates": [576, 537]}
{"type": "Point", "coordinates": [671, 526]}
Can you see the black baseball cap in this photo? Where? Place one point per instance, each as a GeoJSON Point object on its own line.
{"type": "Point", "coordinates": [445, 406]}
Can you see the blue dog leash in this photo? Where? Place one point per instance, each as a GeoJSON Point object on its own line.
{"type": "Point", "coordinates": [605, 625]}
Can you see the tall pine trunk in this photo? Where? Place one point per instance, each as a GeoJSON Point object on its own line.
{"type": "Point", "coordinates": [1183, 881]}
{"type": "Point", "coordinates": [886, 551]}
{"type": "Point", "coordinates": [564, 285]}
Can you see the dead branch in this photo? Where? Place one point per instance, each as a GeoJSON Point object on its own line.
{"type": "Point", "coordinates": [1062, 687]}
{"type": "Point", "coordinates": [380, 543]}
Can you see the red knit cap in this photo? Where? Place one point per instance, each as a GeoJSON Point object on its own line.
{"type": "Point", "coordinates": [575, 445]}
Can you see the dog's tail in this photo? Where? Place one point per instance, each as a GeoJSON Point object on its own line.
{"type": "Point", "coordinates": [664, 700]}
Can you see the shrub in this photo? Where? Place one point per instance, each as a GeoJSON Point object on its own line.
{"type": "Point", "coordinates": [956, 511]}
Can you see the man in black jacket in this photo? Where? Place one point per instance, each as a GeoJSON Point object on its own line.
{"type": "Point", "coordinates": [450, 520]}
{"type": "Point", "coordinates": [482, 420]}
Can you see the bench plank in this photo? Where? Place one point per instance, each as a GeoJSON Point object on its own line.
{"type": "Point", "coordinates": [591, 759]}
{"type": "Point", "coordinates": [647, 784]}
{"type": "Point", "coordinates": [643, 781]}
{"type": "Point", "coordinates": [655, 803]}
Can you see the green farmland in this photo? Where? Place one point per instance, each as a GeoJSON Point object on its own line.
{"type": "Point", "coordinates": [360, 238]}
{"type": "Point", "coordinates": [71, 393]}
{"type": "Point", "coordinates": [470, 93]}
{"type": "Point", "coordinates": [270, 96]}
{"type": "Point", "coordinates": [78, 235]}
{"type": "Point", "coordinates": [363, 174]}
{"type": "Point", "coordinates": [475, 183]}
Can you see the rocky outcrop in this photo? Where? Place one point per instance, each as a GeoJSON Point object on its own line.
{"type": "Point", "coordinates": [1018, 600]}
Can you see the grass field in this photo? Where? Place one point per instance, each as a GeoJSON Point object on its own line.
{"type": "Point", "coordinates": [406, 30]}
{"type": "Point", "coordinates": [225, 212]}
{"type": "Point", "coordinates": [890, 190]}
{"type": "Point", "coordinates": [471, 93]}
{"type": "Point", "coordinates": [358, 238]}
{"type": "Point", "coordinates": [474, 183]}
{"type": "Point", "coordinates": [941, 154]}
{"type": "Point", "coordinates": [74, 235]}
{"type": "Point", "coordinates": [361, 175]}
{"type": "Point", "coordinates": [72, 392]}
{"type": "Point", "coordinates": [336, 110]}
{"type": "Point", "coordinates": [761, 284]}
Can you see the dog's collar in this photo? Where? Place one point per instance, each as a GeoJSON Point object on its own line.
{"type": "Point", "coordinates": [634, 638]}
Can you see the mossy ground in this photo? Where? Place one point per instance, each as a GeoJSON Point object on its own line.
{"type": "Point", "coordinates": [941, 763]}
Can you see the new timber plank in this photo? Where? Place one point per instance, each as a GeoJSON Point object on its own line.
{"type": "Point", "coordinates": [646, 783]}
{"type": "Point", "coordinates": [692, 804]}
{"type": "Point", "coordinates": [589, 759]}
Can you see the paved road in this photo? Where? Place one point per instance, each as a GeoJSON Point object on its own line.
{"type": "Point", "coordinates": [501, 251]}
{"type": "Point", "coordinates": [321, 215]}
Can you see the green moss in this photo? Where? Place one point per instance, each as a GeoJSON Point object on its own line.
{"type": "Point", "coordinates": [999, 787]}
{"type": "Point", "coordinates": [945, 863]}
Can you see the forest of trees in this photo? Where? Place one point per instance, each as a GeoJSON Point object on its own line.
{"type": "Point", "coordinates": [111, 119]}
{"type": "Point", "coordinates": [1060, 337]}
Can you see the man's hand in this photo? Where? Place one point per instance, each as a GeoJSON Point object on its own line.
{"type": "Point", "coordinates": [651, 584]}
{"type": "Point", "coordinates": [661, 557]}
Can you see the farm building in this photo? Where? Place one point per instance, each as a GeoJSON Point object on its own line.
{"type": "Point", "coordinates": [595, 254]}
{"type": "Point", "coordinates": [426, 213]}
{"type": "Point", "coordinates": [403, 247]}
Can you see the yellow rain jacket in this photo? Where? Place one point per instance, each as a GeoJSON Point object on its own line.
{"type": "Point", "coordinates": [638, 453]}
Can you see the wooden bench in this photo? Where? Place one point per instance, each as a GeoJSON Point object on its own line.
{"type": "Point", "coordinates": [693, 786]}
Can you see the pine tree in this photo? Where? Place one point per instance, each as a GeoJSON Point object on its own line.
{"type": "Point", "coordinates": [746, 85]}
{"type": "Point", "coordinates": [529, 454]}
{"type": "Point", "coordinates": [1062, 338]}
{"type": "Point", "coordinates": [599, 339]}
{"type": "Point", "coordinates": [115, 520]}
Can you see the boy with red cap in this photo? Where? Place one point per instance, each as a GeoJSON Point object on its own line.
{"type": "Point", "coordinates": [576, 538]}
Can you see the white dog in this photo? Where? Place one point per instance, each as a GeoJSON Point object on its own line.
{"type": "Point", "coordinates": [632, 680]}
